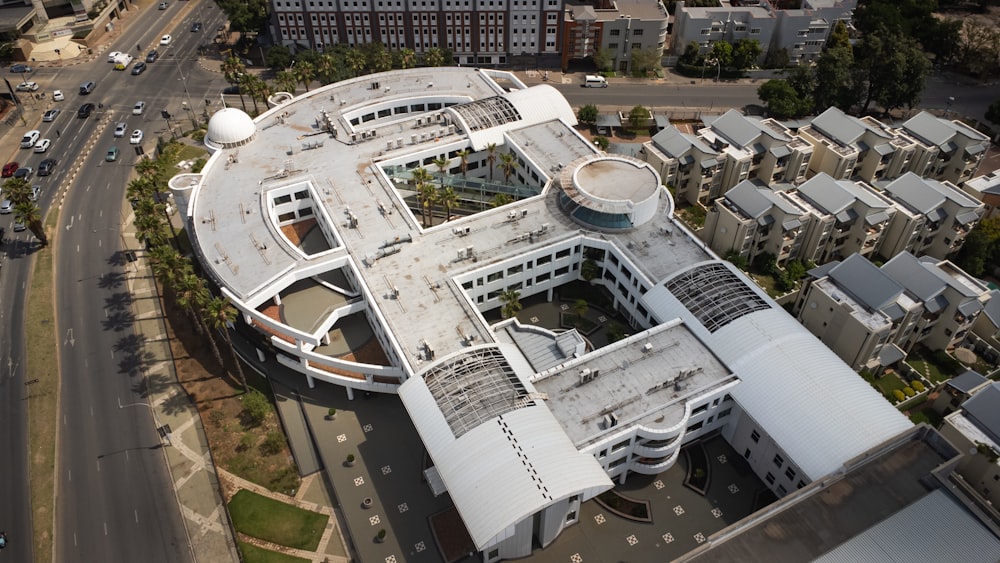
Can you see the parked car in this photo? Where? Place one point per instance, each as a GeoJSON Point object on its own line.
{"type": "Point", "coordinates": [50, 115]}
{"type": "Point", "coordinates": [138, 108]}
{"type": "Point", "coordinates": [43, 145]}
{"type": "Point", "coordinates": [85, 110]}
{"type": "Point", "coordinates": [152, 56]}
{"type": "Point", "coordinates": [112, 154]}
{"type": "Point", "coordinates": [113, 56]}
{"type": "Point", "coordinates": [163, 5]}
{"type": "Point", "coordinates": [24, 173]}
{"type": "Point", "coordinates": [136, 137]}
{"type": "Point", "coordinates": [120, 129]}
{"type": "Point", "coordinates": [9, 169]}
{"type": "Point", "coordinates": [195, 27]}
{"type": "Point", "coordinates": [21, 68]}
{"type": "Point", "coordinates": [166, 39]}
{"type": "Point", "coordinates": [7, 206]}
{"type": "Point", "coordinates": [57, 96]}
{"type": "Point", "coordinates": [30, 138]}
{"type": "Point", "coordinates": [87, 87]}
{"type": "Point", "coordinates": [139, 68]}
{"type": "Point", "coordinates": [27, 87]}
{"type": "Point", "coordinates": [46, 167]}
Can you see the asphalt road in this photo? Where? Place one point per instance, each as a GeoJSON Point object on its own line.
{"type": "Point", "coordinates": [115, 501]}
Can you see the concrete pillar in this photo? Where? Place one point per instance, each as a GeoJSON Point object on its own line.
{"type": "Point", "coordinates": [310, 381]}
{"type": "Point", "coordinates": [550, 294]}
{"type": "Point", "coordinates": [350, 393]}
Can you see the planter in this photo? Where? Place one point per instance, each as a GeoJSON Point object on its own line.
{"type": "Point", "coordinates": [349, 462]}
{"type": "Point", "coordinates": [380, 536]}
{"type": "Point", "coordinates": [367, 502]}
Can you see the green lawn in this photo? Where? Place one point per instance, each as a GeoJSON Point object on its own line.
{"type": "Point", "coordinates": [253, 554]}
{"type": "Point", "coordinates": [276, 522]}
{"type": "Point", "coordinates": [888, 383]}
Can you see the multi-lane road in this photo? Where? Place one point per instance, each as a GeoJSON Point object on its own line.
{"type": "Point", "coordinates": [114, 498]}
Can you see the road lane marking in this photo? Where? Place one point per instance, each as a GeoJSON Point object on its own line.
{"type": "Point", "coordinates": [98, 465]}
{"type": "Point", "coordinates": [105, 528]}
{"type": "Point", "coordinates": [136, 515]}
{"type": "Point", "coordinates": [70, 226]}
{"type": "Point", "coordinates": [70, 474]}
{"type": "Point", "coordinates": [69, 338]}
{"type": "Point", "coordinates": [74, 540]}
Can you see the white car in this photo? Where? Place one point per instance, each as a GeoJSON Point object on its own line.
{"type": "Point", "coordinates": [138, 108]}
{"type": "Point", "coordinates": [57, 96]}
{"type": "Point", "coordinates": [136, 137]}
{"type": "Point", "coordinates": [50, 115]}
{"type": "Point", "coordinates": [27, 87]}
{"type": "Point", "coordinates": [30, 138]}
{"type": "Point", "coordinates": [43, 145]}
{"type": "Point", "coordinates": [166, 39]}
{"type": "Point", "coordinates": [113, 55]}
{"type": "Point", "coordinates": [120, 129]}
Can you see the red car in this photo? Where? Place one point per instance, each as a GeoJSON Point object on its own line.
{"type": "Point", "coordinates": [9, 169]}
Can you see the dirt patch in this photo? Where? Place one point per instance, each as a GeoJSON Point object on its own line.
{"type": "Point", "coordinates": [257, 453]}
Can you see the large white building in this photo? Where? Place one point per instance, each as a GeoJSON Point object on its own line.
{"type": "Point", "coordinates": [309, 220]}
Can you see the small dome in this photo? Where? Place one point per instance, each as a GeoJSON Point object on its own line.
{"type": "Point", "coordinates": [230, 127]}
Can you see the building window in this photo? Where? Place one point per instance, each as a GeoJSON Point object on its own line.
{"type": "Point", "coordinates": [790, 473]}
{"type": "Point", "coordinates": [725, 413]}
{"type": "Point", "coordinates": [696, 426]}
{"type": "Point", "coordinates": [782, 490]}
{"type": "Point", "coordinates": [769, 478]}
{"type": "Point", "coordinates": [620, 446]}
{"type": "Point", "coordinates": [778, 460]}
{"type": "Point", "coordinates": [700, 409]}
{"type": "Point", "coordinates": [800, 484]}
{"type": "Point", "coordinates": [755, 436]}
{"type": "Point", "coordinates": [571, 517]}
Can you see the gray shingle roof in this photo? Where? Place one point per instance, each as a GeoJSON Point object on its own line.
{"type": "Point", "coordinates": [839, 126]}
{"type": "Point", "coordinates": [915, 193]}
{"type": "Point", "coordinates": [672, 142]}
{"type": "Point", "coordinates": [869, 285]}
{"type": "Point", "coordinates": [826, 193]}
{"type": "Point", "coordinates": [929, 129]}
{"type": "Point", "coordinates": [749, 200]}
{"type": "Point", "coordinates": [984, 410]}
{"type": "Point", "coordinates": [967, 381]}
{"type": "Point", "coordinates": [739, 130]}
{"type": "Point", "coordinates": [911, 274]}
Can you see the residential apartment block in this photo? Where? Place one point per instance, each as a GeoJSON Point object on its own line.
{"type": "Point", "coordinates": [618, 28]}
{"type": "Point", "coordinates": [802, 32]}
{"type": "Point", "coordinates": [478, 32]}
{"type": "Point", "coordinates": [986, 188]}
{"type": "Point", "coordinates": [932, 217]}
{"type": "Point", "coordinates": [872, 317]}
{"type": "Point", "coordinates": [946, 150]}
{"type": "Point", "coordinates": [727, 150]}
{"type": "Point", "coordinates": [975, 428]}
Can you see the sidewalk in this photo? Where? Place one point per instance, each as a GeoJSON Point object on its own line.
{"type": "Point", "coordinates": [189, 461]}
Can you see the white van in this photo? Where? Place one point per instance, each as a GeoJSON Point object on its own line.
{"type": "Point", "coordinates": [592, 81]}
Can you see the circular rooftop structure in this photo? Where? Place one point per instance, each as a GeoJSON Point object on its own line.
{"type": "Point", "coordinates": [230, 127]}
{"type": "Point", "coordinates": [610, 192]}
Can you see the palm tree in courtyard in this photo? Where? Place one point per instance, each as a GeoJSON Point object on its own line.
{"type": "Point", "coordinates": [427, 194]}
{"type": "Point", "coordinates": [219, 314]}
{"type": "Point", "coordinates": [491, 157]}
{"type": "Point", "coordinates": [464, 156]}
{"type": "Point", "coordinates": [508, 163]}
{"type": "Point", "coordinates": [422, 178]}
{"type": "Point", "coordinates": [500, 200]}
{"type": "Point", "coordinates": [448, 199]}
{"type": "Point", "coordinates": [442, 165]}
{"type": "Point", "coordinates": [580, 307]}
{"type": "Point", "coordinates": [511, 300]}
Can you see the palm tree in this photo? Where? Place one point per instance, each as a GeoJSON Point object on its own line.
{"type": "Point", "coordinates": [464, 156]}
{"type": "Point", "coordinates": [511, 300]}
{"type": "Point", "coordinates": [580, 307]}
{"type": "Point", "coordinates": [248, 87]}
{"type": "Point", "coordinates": [28, 213]}
{"type": "Point", "coordinates": [449, 199]}
{"type": "Point", "coordinates": [219, 314]}
{"type": "Point", "coordinates": [149, 229]}
{"type": "Point", "coordinates": [421, 177]}
{"type": "Point", "coordinates": [17, 190]}
{"type": "Point", "coordinates": [427, 194]}
{"type": "Point", "coordinates": [326, 68]}
{"type": "Point", "coordinates": [407, 58]}
{"type": "Point", "coordinates": [305, 73]}
{"type": "Point", "coordinates": [148, 167]}
{"type": "Point", "coordinates": [286, 81]}
{"type": "Point", "coordinates": [433, 57]}
{"type": "Point", "coordinates": [189, 290]}
{"type": "Point", "coordinates": [500, 200]}
{"type": "Point", "coordinates": [508, 163]}
{"type": "Point", "coordinates": [356, 62]}
{"type": "Point", "coordinates": [491, 157]}
{"type": "Point", "coordinates": [233, 69]}
{"type": "Point", "coordinates": [442, 164]}
{"type": "Point", "coordinates": [379, 58]}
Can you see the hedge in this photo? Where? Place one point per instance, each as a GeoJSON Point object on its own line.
{"type": "Point", "coordinates": [917, 386]}
{"type": "Point", "coordinates": [898, 394]}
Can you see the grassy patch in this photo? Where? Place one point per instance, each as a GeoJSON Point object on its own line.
{"type": "Point", "coordinates": [43, 397]}
{"type": "Point", "coordinates": [253, 554]}
{"type": "Point", "coordinates": [261, 517]}
{"type": "Point", "coordinates": [190, 152]}
{"type": "Point", "coordinates": [889, 383]}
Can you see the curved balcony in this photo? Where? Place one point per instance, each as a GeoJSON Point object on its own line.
{"type": "Point", "coordinates": [657, 448]}
{"type": "Point", "coordinates": [647, 466]}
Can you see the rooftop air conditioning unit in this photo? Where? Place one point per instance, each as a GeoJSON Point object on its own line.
{"type": "Point", "coordinates": [647, 348]}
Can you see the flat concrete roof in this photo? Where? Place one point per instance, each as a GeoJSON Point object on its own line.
{"type": "Point", "coordinates": [613, 179]}
{"type": "Point", "coordinates": [645, 380]}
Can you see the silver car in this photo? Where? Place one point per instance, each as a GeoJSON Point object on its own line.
{"type": "Point", "coordinates": [120, 129]}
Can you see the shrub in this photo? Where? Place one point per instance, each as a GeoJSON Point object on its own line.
{"type": "Point", "coordinates": [350, 458]}
{"type": "Point", "coordinates": [198, 164]}
{"type": "Point", "coordinates": [246, 442]}
{"type": "Point", "coordinates": [217, 417]}
{"type": "Point", "coordinates": [898, 395]}
{"type": "Point", "coordinates": [917, 386]}
{"type": "Point", "coordinates": [909, 391]}
{"type": "Point", "coordinates": [272, 443]}
{"type": "Point", "coordinates": [255, 407]}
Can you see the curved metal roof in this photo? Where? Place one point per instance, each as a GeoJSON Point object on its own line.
{"type": "Point", "coordinates": [486, 121]}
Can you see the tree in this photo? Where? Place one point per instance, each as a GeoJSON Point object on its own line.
{"type": "Point", "coordinates": [993, 112]}
{"type": "Point", "coordinates": [30, 215]}
{"type": "Point", "coordinates": [463, 156]}
{"type": "Point", "coordinates": [589, 270]}
{"type": "Point", "coordinates": [305, 73]}
{"type": "Point", "coordinates": [839, 37]}
{"type": "Point", "coordinates": [602, 142]}
{"type": "Point", "coordinates": [234, 70]}
{"type": "Point", "coordinates": [645, 60]}
{"type": "Point", "coordinates": [979, 47]}
{"type": "Point", "coordinates": [407, 58]}
{"type": "Point", "coordinates": [511, 300]}
{"type": "Point", "coordinates": [434, 57]}
{"type": "Point", "coordinates": [802, 79]}
{"type": "Point", "coordinates": [692, 52]}
{"type": "Point", "coordinates": [278, 57]}
{"type": "Point", "coordinates": [286, 81]}
{"type": "Point", "coordinates": [378, 57]}
{"type": "Point", "coordinates": [219, 314]}
{"type": "Point", "coordinates": [892, 69]}
{"type": "Point", "coordinates": [638, 116]}
{"type": "Point", "coordinates": [777, 58]}
{"type": "Point", "coordinates": [356, 61]}
{"type": "Point", "coordinates": [422, 178]}
{"type": "Point", "coordinates": [491, 157]}
{"type": "Point", "coordinates": [442, 165]}
{"type": "Point", "coordinates": [834, 79]}
{"type": "Point", "coordinates": [981, 248]}
{"type": "Point", "coordinates": [603, 59]}
{"type": "Point", "coordinates": [449, 200]}
{"type": "Point", "coordinates": [722, 53]}
{"type": "Point", "coordinates": [500, 200]}
{"type": "Point", "coordinates": [508, 163]}
{"type": "Point", "coordinates": [780, 98]}
{"type": "Point", "coordinates": [588, 114]}
{"type": "Point", "coordinates": [746, 52]}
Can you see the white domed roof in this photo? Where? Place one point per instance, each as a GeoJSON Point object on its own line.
{"type": "Point", "coordinates": [230, 127]}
